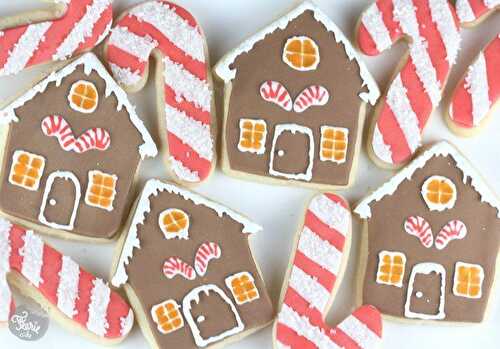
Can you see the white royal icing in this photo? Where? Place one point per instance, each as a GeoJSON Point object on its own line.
{"type": "Point", "coordinates": [476, 83]}
{"type": "Point", "coordinates": [439, 149]}
{"type": "Point", "coordinates": [374, 22]}
{"type": "Point", "coordinates": [98, 308]}
{"type": "Point", "coordinates": [90, 63]}
{"type": "Point", "coordinates": [32, 253]}
{"type": "Point", "coordinates": [183, 172]}
{"type": "Point", "coordinates": [67, 291]}
{"type": "Point", "coordinates": [153, 188]}
{"type": "Point", "coordinates": [225, 70]}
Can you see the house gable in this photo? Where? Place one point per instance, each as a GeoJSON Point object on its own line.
{"type": "Point", "coordinates": [147, 251]}
{"type": "Point", "coordinates": [478, 246]}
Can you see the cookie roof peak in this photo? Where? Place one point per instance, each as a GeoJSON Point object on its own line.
{"type": "Point", "coordinates": [90, 63]}
{"type": "Point", "coordinates": [153, 188]}
{"type": "Point", "coordinates": [223, 68]}
{"type": "Point", "coordinates": [439, 149]}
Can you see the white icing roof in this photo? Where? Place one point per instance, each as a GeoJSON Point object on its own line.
{"type": "Point", "coordinates": [439, 149]}
{"type": "Point", "coordinates": [90, 63]}
{"type": "Point", "coordinates": [223, 70]}
{"type": "Point", "coordinates": [153, 188]}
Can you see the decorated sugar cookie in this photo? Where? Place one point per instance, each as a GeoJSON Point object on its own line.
{"type": "Point", "coordinates": [73, 147]}
{"type": "Point", "coordinates": [187, 264]}
{"type": "Point", "coordinates": [295, 103]}
{"type": "Point", "coordinates": [184, 83]}
{"type": "Point", "coordinates": [315, 273]}
{"type": "Point", "coordinates": [71, 295]}
{"type": "Point", "coordinates": [433, 258]}
{"type": "Point", "coordinates": [79, 27]}
{"type": "Point", "coordinates": [432, 29]}
{"type": "Point", "coordinates": [476, 96]}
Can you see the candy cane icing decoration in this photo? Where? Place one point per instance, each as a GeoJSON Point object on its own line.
{"type": "Point", "coordinates": [312, 96]}
{"type": "Point", "coordinates": [470, 11]}
{"type": "Point", "coordinates": [454, 230]}
{"type": "Point", "coordinates": [78, 295]}
{"type": "Point", "coordinates": [432, 27]}
{"type": "Point", "coordinates": [186, 90]}
{"type": "Point", "coordinates": [316, 266]}
{"type": "Point", "coordinates": [175, 266]}
{"type": "Point", "coordinates": [275, 92]}
{"type": "Point", "coordinates": [83, 26]}
{"type": "Point", "coordinates": [478, 92]}
{"type": "Point", "coordinates": [93, 139]}
{"type": "Point", "coordinates": [420, 228]}
{"type": "Point", "coordinates": [206, 252]}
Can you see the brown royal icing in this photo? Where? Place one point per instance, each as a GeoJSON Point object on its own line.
{"type": "Point", "coordinates": [120, 159]}
{"type": "Point", "coordinates": [212, 315]}
{"type": "Point", "coordinates": [479, 246]}
{"type": "Point", "coordinates": [336, 72]}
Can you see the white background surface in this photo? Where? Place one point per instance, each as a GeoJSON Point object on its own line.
{"type": "Point", "coordinates": [227, 23]}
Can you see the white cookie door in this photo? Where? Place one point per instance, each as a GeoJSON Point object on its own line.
{"type": "Point", "coordinates": [426, 292]}
{"type": "Point", "coordinates": [60, 201]}
{"type": "Point", "coordinates": [211, 315]}
{"type": "Point", "coordinates": [292, 153]}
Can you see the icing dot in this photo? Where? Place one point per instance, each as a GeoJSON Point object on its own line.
{"type": "Point", "coordinates": [200, 319]}
{"type": "Point", "coordinates": [281, 153]}
{"type": "Point", "coordinates": [419, 295]}
{"type": "Point", "coordinates": [52, 202]}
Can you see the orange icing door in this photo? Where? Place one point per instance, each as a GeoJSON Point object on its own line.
{"type": "Point", "coordinates": [426, 292]}
{"type": "Point", "coordinates": [60, 200]}
{"type": "Point", "coordinates": [292, 153]}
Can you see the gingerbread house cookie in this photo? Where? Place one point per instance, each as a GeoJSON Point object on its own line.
{"type": "Point", "coordinates": [434, 257]}
{"type": "Point", "coordinates": [73, 146]}
{"type": "Point", "coordinates": [188, 270]}
{"type": "Point", "coordinates": [295, 103]}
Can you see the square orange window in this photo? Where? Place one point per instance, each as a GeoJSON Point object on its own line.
{"type": "Point", "coordinates": [468, 281]}
{"type": "Point", "coordinates": [253, 135]}
{"type": "Point", "coordinates": [167, 316]}
{"type": "Point", "coordinates": [334, 142]}
{"type": "Point", "coordinates": [101, 190]}
{"type": "Point", "coordinates": [26, 170]}
{"type": "Point", "coordinates": [242, 286]}
{"type": "Point", "coordinates": [391, 268]}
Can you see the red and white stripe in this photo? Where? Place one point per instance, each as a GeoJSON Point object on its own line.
{"type": "Point", "coordinates": [470, 11]}
{"type": "Point", "coordinates": [314, 95]}
{"type": "Point", "coordinates": [454, 230]}
{"type": "Point", "coordinates": [479, 90]}
{"type": "Point", "coordinates": [92, 139]}
{"type": "Point", "coordinates": [316, 266]}
{"type": "Point", "coordinates": [275, 92]}
{"type": "Point", "coordinates": [416, 90]}
{"type": "Point", "coordinates": [170, 29]}
{"type": "Point", "coordinates": [79, 295]}
{"type": "Point", "coordinates": [175, 266]}
{"type": "Point", "coordinates": [420, 228]}
{"type": "Point", "coordinates": [206, 252]}
{"type": "Point", "coordinates": [84, 25]}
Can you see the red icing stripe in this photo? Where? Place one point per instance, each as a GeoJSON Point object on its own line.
{"type": "Point", "coordinates": [85, 286]}
{"type": "Point", "coordinates": [324, 231]}
{"type": "Point", "coordinates": [366, 43]}
{"type": "Point", "coordinates": [99, 28]}
{"type": "Point", "coordinates": [420, 102]}
{"type": "Point", "coordinates": [16, 243]}
{"type": "Point", "coordinates": [461, 107]}
{"type": "Point", "coordinates": [324, 277]}
{"type": "Point", "coordinates": [58, 31]}
{"type": "Point", "coordinates": [478, 7]}
{"type": "Point", "coordinates": [369, 316]}
{"type": "Point", "coordinates": [185, 154]}
{"type": "Point", "coordinates": [189, 108]}
{"type": "Point", "coordinates": [492, 57]}
{"type": "Point", "coordinates": [117, 309]}
{"type": "Point", "coordinates": [291, 339]}
{"type": "Point", "coordinates": [339, 200]}
{"type": "Point", "coordinates": [393, 135]}
{"type": "Point", "coordinates": [52, 263]}
{"type": "Point", "coordinates": [301, 306]}
{"type": "Point", "coordinates": [192, 65]}
{"type": "Point", "coordinates": [7, 42]}
{"type": "Point", "coordinates": [125, 60]}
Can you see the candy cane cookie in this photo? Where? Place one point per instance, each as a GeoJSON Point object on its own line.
{"type": "Point", "coordinates": [184, 84]}
{"type": "Point", "coordinates": [83, 25]}
{"type": "Point", "coordinates": [316, 270]}
{"type": "Point", "coordinates": [431, 26]}
{"type": "Point", "coordinates": [477, 95]}
{"type": "Point", "coordinates": [72, 296]}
